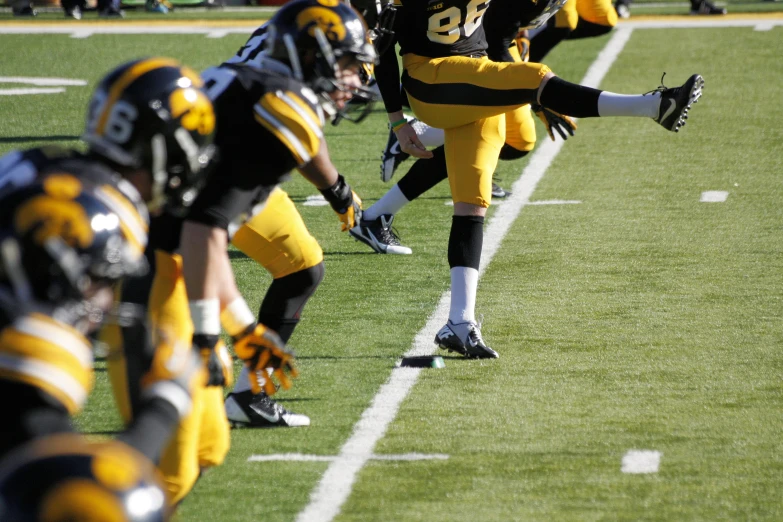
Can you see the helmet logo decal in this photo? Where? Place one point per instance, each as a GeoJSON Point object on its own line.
{"type": "Point", "coordinates": [49, 216]}
{"type": "Point", "coordinates": [194, 110]}
{"type": "Point", "coordinates": [325, 19]}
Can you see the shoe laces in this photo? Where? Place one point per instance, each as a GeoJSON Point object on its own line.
{"type": "Point", "coordinates": [660, 88]}
{"type": "Point", "coordinates": [388, 233]}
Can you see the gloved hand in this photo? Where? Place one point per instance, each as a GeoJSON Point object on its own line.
{"type": "Point", "coordinates": [345, 203]}
{"type": "Point", "coordinates": [217, 361]}
{"type": "Point", "coordinates": [554, 122]}
{"type": "Point", "coordinates": [174, 374]}
{"type": "Point", "coordinates": [262, 348]}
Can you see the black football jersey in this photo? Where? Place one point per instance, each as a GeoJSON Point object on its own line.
{"type": "Point", "coordinates": [438, 28]}
{"type": "Point", "coordinates": [268, 123]}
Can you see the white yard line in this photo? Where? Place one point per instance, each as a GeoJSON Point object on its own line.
{"type": "Point", "coordinates": [641, 461]}
{"type": "Point", "coordinates": [335, 486]}
{"type": "Point", "coordinates": [714, 196]}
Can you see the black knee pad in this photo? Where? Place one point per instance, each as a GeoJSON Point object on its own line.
{"type": "Point", "coordinates": [510, 153]}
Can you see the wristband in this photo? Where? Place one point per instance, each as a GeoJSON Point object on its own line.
{"type": "Point", "coordinates": [205, 314]}
{"type": "Point", "coordinates": [397, 124]}
{"type": "Point", "coordinates": [236, 317]}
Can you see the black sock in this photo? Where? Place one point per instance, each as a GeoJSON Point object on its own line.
{"type": "Point", "coordinates": [424, 174]}
{"type": "Point", "coordinates": [546, 40]}
{"type": "Point", "coordinates": [465, 241]}
{"type": "Point", "coordinates": [510, 153]}
{"type": "Point", "coordinates": [570, 99]}
{"type": "Point", "coordinates": [585, 29]}
{"type": "Point", "coordinates": [282, 306]}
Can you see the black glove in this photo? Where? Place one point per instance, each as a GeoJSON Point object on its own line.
{"type": "Point", "coordinates": [554, 121]}
{"type": "Point", "coordinates": [345, 203]}
{"type": "Point", "coordinates": [217, 361]}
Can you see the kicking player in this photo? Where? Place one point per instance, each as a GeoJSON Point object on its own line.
{"type": "Point", "coordinates": [506, 44]}
{"type": "Point", "coordinates": [452, 85]}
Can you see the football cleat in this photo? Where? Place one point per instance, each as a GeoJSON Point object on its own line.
{"type": "Point", "coordinates": [706, 8]}
{"type": "Point", "coordinates": [379, 235]}
{"type": "Point", "coordinates": [677, 101]}
{"type": "Point", "coordinates": [471, 345]}
{"type": "Point", "coordinates": [623, 8]}
{"type": "Point", "coordinates": [393, 155]}
{"type": "Point", "coordinates": [75, 13]}
{"type": "Point", "coordinates": [499, 192]}
{"type": "Point", "coordinates": [245, 410]}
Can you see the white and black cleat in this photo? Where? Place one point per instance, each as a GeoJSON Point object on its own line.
{"type": "Point", "coordinates": [470, 344]}
{"type": "Point", "coordinates": [677, 101]}
{"type": "Point", "coordinates": [379, 235]}
{"type": "Point", "coordinates": [245, 410]}
{"type": "Point", "coordinates": [392, 155]}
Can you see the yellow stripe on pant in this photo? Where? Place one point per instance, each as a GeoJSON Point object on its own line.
{"type": "Point", "coordinates": [278, 239]}
{"type": "Point", "coordinates": [457, 90]}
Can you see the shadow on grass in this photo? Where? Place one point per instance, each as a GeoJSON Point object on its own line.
{"type": "Point", "coordinates": [22, 139]}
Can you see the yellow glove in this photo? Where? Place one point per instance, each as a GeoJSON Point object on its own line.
{"type": "Point", "coordinates": [352, 215]}
{"type": "Point", "coordinates": [554, 121]}
{"type": "Point", "coordinates": [217, 361]}
{"type": "Point", "coordinates": [262, 348]}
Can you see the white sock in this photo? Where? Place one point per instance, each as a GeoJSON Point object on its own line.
{"type": "Point", "coordinates": [464, 282]}
{"type": "Point", "coordinates": [611, 104]}
{"type": "Point", "coordinates": [430, 137]}
{"type": "Point", "coordinates": [242, 383]}
{"type": "Point", "coordinates": [390, 203]}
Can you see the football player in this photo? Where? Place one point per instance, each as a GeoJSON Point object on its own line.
{"type": "Point", "coordinates": [74, 225]}
{"type": "Point", "coordinates": [270, 101]}
{"type": "Point", "coordinates": [577, 19]}
{"type": "Point", "coordinates": [505, 44]}
{"type": "Point", "coordinates": [451, 84]}
{"type": "Point", "coordinates": [291, 76]}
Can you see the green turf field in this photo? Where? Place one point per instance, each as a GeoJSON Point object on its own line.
{"type": "Point", "coordinates": [638, 318]}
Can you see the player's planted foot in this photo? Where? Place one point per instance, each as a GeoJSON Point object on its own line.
{"type": "Point", "coordinates": [677, 101]}
{"type": "Point", "coordinates": [379, 235]}
{"type": "Point", "coordinates": [499, 192]}
{"type": "Point", "coordinates": [246, 410]}
{"type": "Point", "coordinates": [465, 339]}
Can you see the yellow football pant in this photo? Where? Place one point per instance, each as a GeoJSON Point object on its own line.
{"type": "Point", "coordinates": [202, 439]}
{"type": "Point", "coordinates": [277, 238]}
{"type": "Point", "coordinates": [600, 12]}
{"type": "Point", "coordinates": [443, 93]}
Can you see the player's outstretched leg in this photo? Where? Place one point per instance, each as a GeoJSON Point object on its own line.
{"type": "Point", "coordinates": [668, 107]}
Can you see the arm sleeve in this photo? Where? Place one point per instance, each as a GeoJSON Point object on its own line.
{"type": "Point", "coordinates": [151, 429]}
{"type": "Point", "coordinates": [387, 72]}
{"type": "Point", "coordinates": [501, 25]}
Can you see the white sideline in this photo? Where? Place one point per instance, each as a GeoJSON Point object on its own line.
{"type": "Point", "coordinates": [335, 486]}
{"type": "Point", "coordinates": [299, 457]}
{"type": "Point", "coordinates": [246, 26]}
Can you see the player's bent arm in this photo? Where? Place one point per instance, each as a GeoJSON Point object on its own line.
{"type": "Point", "coordinates": [320, 171]}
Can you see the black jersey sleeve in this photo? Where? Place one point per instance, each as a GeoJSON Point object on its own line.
{"type": "Point", "coordinates": [224, 199]}
{"type": "Point", "coordinates": [387, 72]}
